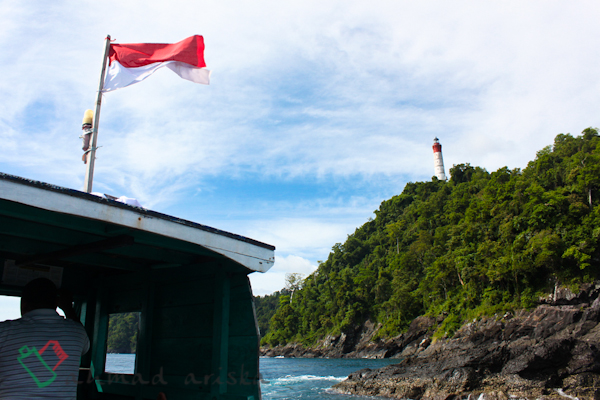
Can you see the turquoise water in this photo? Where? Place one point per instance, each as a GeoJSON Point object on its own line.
{"type": "Point", "coordinates": [287, 378]}
{"type": "Point", "coordinates": [310, 378]}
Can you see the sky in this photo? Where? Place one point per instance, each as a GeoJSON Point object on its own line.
{"type": "Point", "coordinates": [317, 111]}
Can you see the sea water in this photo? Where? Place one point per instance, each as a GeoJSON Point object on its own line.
{"type": "Point", "coordinates": [287, 378]}
{"type": "Point", "coordinates": [120, 363]}
{"type": "Point", "coordinates": [310, 378]}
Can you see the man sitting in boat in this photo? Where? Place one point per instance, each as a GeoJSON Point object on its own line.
{"type": "Point", "coordinates": [40, 352]}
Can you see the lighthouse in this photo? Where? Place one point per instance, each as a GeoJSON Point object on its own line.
{"type": "Point", "coordinates": [438, 161]}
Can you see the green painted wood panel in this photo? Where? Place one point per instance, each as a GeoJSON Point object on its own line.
{"type": "Point", "coordinates": [113, 396]}
{"type": "Point", "coordinates": [243, 322]}
{"type": "Point", "coordinates": [221, 318]}
{"type": "Point", "coordinates": [156, 254]}
{"type": "Point", "coordinates": [121, 302]}
{"type": "Point", "coordinates": [184, 321]}
{"type": "Point", "coordinates": [125, 281]}
{"type": "Point", "coordinates": [243, 351]}
{"type": "Point", "coordinates": [185, 292]}
{"type": "Point", "coordinates": [98, 340]}
{"type": "Point", "coordinates": [28, 213]}
{"type": "Point", "coordinates": [152, 239]}
{"type": "Point", "coordinates": [113, 385]}
{"type": "Point", "coordinates": [146, 334]}
{"type": "Point", "coordinates": [42, 232]}
{"type": "Point", "coordinates": [181, 356]}
{"type": "Point", "coordinates": [88, 318]}
{"type": "Point", "coordinates": [11, 245]}
{"type": "Point", "coordinates": [177, 393]}
{"type": "Point", "coordinates": [87, 226]}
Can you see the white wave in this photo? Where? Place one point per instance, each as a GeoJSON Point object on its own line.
{"type": "Point", "coordinates": [560, 391]}
{"type": "Point", "coordinates": [289, 379]}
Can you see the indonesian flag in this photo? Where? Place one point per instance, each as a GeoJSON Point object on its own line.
{"type": "Point", "coordinates": [134, 62]}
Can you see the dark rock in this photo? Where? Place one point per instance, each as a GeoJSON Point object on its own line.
{"type": "Point", "coordinates": [359, 374]}
{"type": "Point", "coordinates": [550, 352]}
{"type": "Point", "coordinates": [357, 343]}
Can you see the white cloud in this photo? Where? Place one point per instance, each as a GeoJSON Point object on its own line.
{"type": "Point", "coordinates": [274, 280]}
{"type": "Point", "coordinates": [341, 88]}
{"type": "Point", "coordinates": [304, 237]}
{"type": "Point", "coordinates": [325, 92]}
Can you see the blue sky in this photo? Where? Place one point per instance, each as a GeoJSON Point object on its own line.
{"type": "Point", "coordinates": [317, 110]}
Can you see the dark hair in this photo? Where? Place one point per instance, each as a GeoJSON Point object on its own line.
{"type": "Point", "coordinates": [40, 293]}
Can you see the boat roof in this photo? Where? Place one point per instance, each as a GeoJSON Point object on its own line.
{"type": "Point", "coordinates": [46, 224]}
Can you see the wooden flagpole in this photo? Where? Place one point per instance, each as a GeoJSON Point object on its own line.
{"type": "Point", "coordinates": [91, 157]}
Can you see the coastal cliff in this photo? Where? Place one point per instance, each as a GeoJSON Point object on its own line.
{"type": "Point", "coordinates": [460, 280]}
{"type": "Point", "coordinates": [478, 244]}
{"type": "Point", "coordinates": [551, 351]}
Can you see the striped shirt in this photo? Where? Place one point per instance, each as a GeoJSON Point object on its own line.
{"type": "Point", "coordinates": [40, 355]}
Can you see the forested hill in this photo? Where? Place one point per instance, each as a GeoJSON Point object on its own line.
{"type": "Point", "coordinates": [477, 244]}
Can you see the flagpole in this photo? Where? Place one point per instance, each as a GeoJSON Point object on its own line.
{"type": "Point", "coordinates": [91, 157]}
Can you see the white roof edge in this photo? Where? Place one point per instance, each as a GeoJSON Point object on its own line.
{"type": "Point", "coordinates": [251, 256]}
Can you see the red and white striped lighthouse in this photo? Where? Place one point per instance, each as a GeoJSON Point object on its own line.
{"type": "Point", "coordinates": [438, 161]}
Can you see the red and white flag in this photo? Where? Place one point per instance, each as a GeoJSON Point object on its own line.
{"type": "Point", "coordinates": [132, 63]}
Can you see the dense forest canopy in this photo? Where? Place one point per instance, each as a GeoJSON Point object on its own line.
{"type": "Point", "coordinates": [477, 244]}
{"type": "Point", "coordinates": [123, 331]}
{"type": "Point", "coordinates": [265, 307]}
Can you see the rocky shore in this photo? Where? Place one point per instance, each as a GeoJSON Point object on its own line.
{"type": "Point", "coordinates": [552, 351]}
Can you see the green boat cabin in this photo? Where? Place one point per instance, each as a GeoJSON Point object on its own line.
{"type": "Point", "coordinates": [198, 337]}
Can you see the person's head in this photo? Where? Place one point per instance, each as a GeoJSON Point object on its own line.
{"type": "Point", "coordinates": [38, 293]}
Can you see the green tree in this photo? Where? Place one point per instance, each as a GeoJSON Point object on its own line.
{"type": "Point", "coordinates": [477, 244]}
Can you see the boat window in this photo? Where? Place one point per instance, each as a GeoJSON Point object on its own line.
{"type": "Point", "coordinates": [121, 343]}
